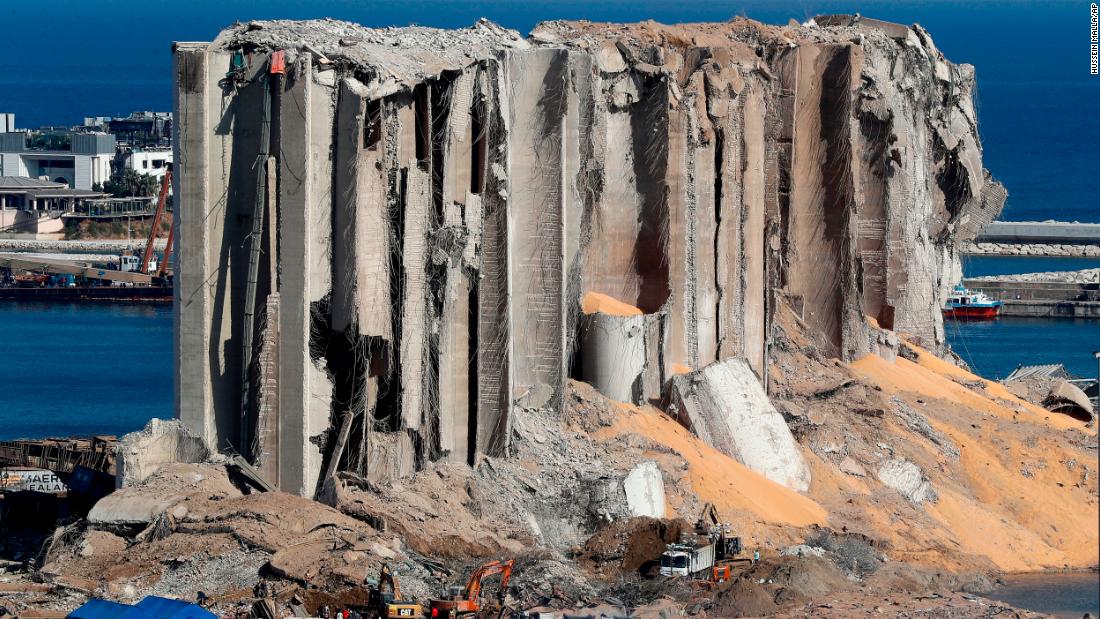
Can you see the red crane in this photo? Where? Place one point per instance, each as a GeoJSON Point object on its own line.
{"type": "Point", "coordinates": [157, 216]}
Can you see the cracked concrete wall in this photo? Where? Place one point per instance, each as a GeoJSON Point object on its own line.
{"type": "Point", "coordinates": [305, 233]}
{"type": "Point", "coordinates": [536, 87]}
{"type": "Point", "coordinates": [445, 198]}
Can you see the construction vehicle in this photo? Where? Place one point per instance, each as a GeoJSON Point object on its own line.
{"type": "Point", "coordinates": [705, 553]}
{"type": "Point", "coordinates": [148, 261]}
{"type": "Point", "coordinates": [465, 601]}
{"type": "Point", "coordinates": [384, 599]}
{"type": "Point", "coordinates": [129, 263]}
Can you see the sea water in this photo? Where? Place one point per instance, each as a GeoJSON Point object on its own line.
{"type": "Point", "coordinates": [72, 369]}
{"type": "Point", "coordinates": [977, 266]}
{"type": "Point", "coordinates": [1068, 595]}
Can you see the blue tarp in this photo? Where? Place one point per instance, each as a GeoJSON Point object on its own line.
{"type": "Point", "coordinates": [102, 609]}
{"type": "Point", "coordinates": [172, 609]}
{"type": "Point", "coordinates": [152, 607]}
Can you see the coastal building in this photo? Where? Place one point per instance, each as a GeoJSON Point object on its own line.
{"type": "Point", "coordinates": [79, 160]}
{"type": "Point", "coordinates": [32, 208]}
{"type": "Point", "coordinates": [7, 122]}
{"type": "Point", "coordinates": [152, 161]}
{"type": "Point", "coordinates": [142, 129]}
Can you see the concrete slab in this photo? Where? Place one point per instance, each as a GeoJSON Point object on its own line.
{"type": "Point", "coordinates": [645, 490]}
{"type": "Point", "coordinates": [725, 405]}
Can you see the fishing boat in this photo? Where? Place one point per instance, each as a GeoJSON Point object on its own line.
{"type": "Point", "coordinates": [969, 304]}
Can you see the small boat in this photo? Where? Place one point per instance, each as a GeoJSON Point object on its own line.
{"type": "Point", "coordinates": [969, 304]}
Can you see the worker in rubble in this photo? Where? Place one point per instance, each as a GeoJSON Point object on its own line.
{"type": "Point", "coordinates": [756, 556]}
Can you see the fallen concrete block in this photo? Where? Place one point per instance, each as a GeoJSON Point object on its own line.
{"type": "Point", "coordinates": [140, 454]}
{"type": "Point", "coordinates": [725, 405]}
{"type": "Point", "coordinates": [645, 490]}
{"type": "Point", "coordinates": [161, 492]}
{"type": "Point", "coordinates": [908, 479]}
{"type": "Point", "coordinates": [1067, 398]}
{"type": "Point", "coordinates": [131, 506]}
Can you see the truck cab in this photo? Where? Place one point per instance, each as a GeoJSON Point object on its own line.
{"type": "Point", "coordinates": [688, 559]}
{"type": "Point", "coordinates": [675, 562]}
{"type": "Point", "coordinates": [129, 263]}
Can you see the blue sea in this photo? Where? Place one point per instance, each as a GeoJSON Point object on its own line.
{"type": "Point", "coordinates": [105, 369]}
{"type": "Point", "coordinates": [1064, 595]}
{"type": "Point", "coordinates": [71, 369]}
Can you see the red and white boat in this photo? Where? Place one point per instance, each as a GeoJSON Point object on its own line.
{"type": "Point", "coordinates": [968, 304]}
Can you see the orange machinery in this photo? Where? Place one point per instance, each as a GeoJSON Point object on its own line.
{"type": "Point", "coordinates": [465, 602]}
{"type": "Point", "coordinates": [157, 216]}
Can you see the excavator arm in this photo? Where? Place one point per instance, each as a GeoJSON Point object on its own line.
{"type": "Point", "coordinates": [504, 568]}
{"type": "Point", "coordinates": [467, 603]}
{"type": "Point", "coordinates": [385, 577]}
{"type": "Point", "coordinates": [709, 516]}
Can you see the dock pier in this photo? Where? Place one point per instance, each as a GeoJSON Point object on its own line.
{"type": "Point", "coordinates": [1037, 238]}
{"type": "Point", "coordinates": [1040, 299]}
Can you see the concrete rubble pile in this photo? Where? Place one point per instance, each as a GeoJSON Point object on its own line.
{"type": "Point", "coordinates": [408, 219]}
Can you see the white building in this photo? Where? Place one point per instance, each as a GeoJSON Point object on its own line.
{"type": "Point", "coordinates": [79, 160]}
{"type": "Point", "coordinates": [32, 208]}
{"type": "Point", "coordinates": [152, 161]}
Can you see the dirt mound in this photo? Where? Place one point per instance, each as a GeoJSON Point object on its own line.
{"type": "Point", "coordinates": [1010, 486]}
{"type": "Point", "coordinates": [633, 545]}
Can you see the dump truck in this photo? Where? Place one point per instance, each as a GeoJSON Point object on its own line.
{"type": "Point", "coordinates": [704, 553]}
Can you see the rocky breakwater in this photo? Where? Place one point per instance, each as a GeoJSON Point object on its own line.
{"type": "Point", "coordinates": [1060, 250]}
{"type": "Point", "coordinates": [1083, 276]}
{"type": "Point", "coordinates": [1037, 238]}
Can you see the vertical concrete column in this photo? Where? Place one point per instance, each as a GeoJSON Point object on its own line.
{"type": "Point", "coordinates": [414, 303]}
{"type": "Point", "coordinates": [305, 212]}
{"type": "Point", "coordinates": [682, 351]}
{"type": "Point", "coordinates": [706, 229]}
{"type": "Point", "coordinates": [753, 223]}
{"type": "Point", "coordinates": [692, 335]}
{"type": "Point", "coordinates": [537, 105]}
{"type": "Point", "coordinates": [458, 139]}
{"type": "Point", "coordinates": [455, 348]}
{"type": "Point", "coordinates": [494, 329]}
{"type": "Point", "coordinates": [729, 269]}
{"type": "Point", "coordinates": [216, 187]}
{"type": "Point", "coordinates": [194, 404]}
{"type": "Point", "coordinates": [817, 217]}
{"type": "Point", "coordinates": [350, 110]}
{"type": "Point", "coordinates": [580, 167]}
{"type": "Point", "coordinates": [455, 403]}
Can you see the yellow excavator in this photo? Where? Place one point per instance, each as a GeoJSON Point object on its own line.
{"type": "Point", "coordinates": [384, 600]}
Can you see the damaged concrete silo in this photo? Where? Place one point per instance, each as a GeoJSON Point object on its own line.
{"type": "Point", "coordinates": [410, 217]}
